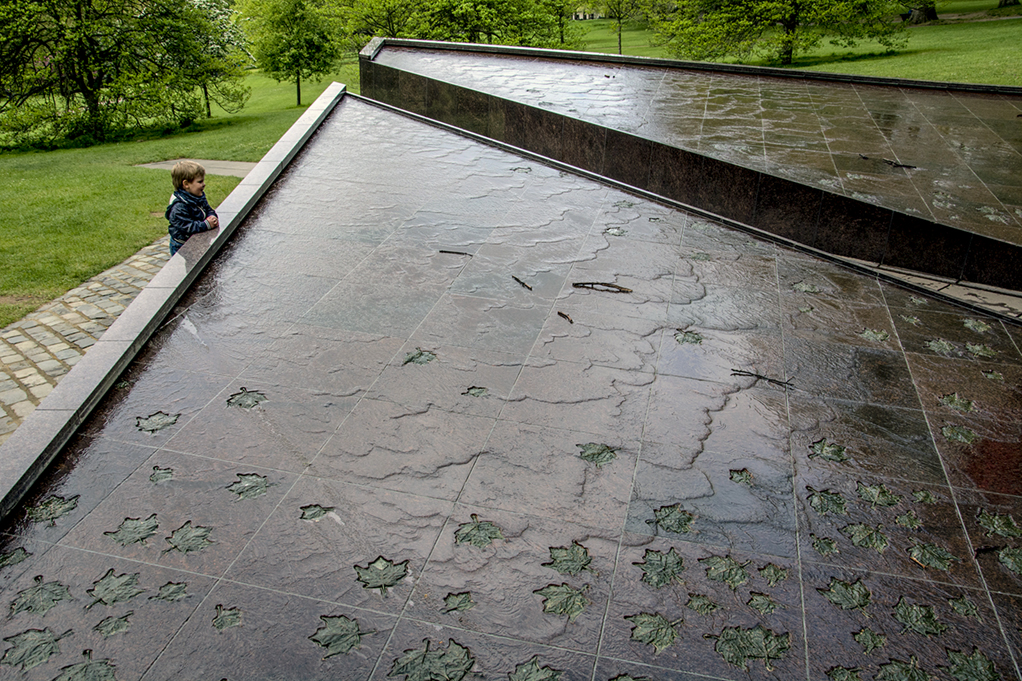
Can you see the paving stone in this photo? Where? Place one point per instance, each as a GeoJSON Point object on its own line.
{"type": "Point", "coordinates": [40, 391]}
{"type": "Point", "coordinates": [49, 365]}
{"type": "Point", "coordinates": [23, 409]}
{"type": "Point", "coordinates": [10, 397]}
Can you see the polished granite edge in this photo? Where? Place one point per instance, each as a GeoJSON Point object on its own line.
{"type": "Point", "coordinates": [833, 223]}
{"type": "Point", "coordinates": [34, 445]}
{"type": "Point", "coordinates": [377, 44]}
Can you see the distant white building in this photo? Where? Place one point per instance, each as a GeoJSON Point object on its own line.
{"type": "Point", "coordinates": [586, 12]}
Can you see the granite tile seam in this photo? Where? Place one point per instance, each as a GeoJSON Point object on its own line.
{"type": "Point", "coordinates": [118, 331]}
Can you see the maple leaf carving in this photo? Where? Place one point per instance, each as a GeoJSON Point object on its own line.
{"type": "Point", "coordinates": [877, 495]}
{"type": "Point", "coordinates": [458, 602]}
{"type": "Point", "coordinates": [726, 569]}
{"type": "Point", "coordinates": [823, 545]}
{"type": "Point", "coordinates": [161, 475]}
{"type": "Point", "coordinates": [741, 476]}
{"type": "Point", "coordinates": [250, 485]}
{"type": "Point", "coordinates": [40, 598]}
{"type": "Point", "coordinates": [869, 640]}
{"type": "Point", "coordinates": [110, 588]}
{"type": "Point", "coordinates": [964, 607]}
{"type": "Point", "coordinates": [32, 648]}
{"type": "Point", "coordinates": [599, 454]}
{"type": "Point", "coordinates": [156, 422]}
{"type": "Point", "coordinates": [424, 664]}
{"type": "Point", "coordinates": [844, 674]}
{"type": "Point", "coordinates": [90, 670]}
{"type": "Point", "coordinates": [825, 501]}
{"type": "Point", "coordinates": [701, 604]}
{"type": "Point", "coordinates": [14, 557]}
{"type": "Point", "coordinates": [854, 596]}
{"type": "Point", "coordinates": [864, 536]}
{"type": "Point", "coordinates": [653, 629]}
{"type": "Point", "coordinates": [531, 671]}
{"type": "Point", "coordinates": [382, 574]}
{"type": "Point", "coordinates": [737, 646]}
{"type": "Point", "coordinates": [114, 625]}
{"type": "Point", "coordinates": [52, 508]}
{"type": "Point", "coordinates": [672, 519]}
{"type": "Point", "coordinates": [339, 635]}
{"type": "Point", "coordinates": [828, 451]}
{"type": "Point", "coordinates": [761, 602]}
{"type": "Point", "coordinates": [188, 538]}
{"type": "Point", "coordinates": [975, 667]}
{"type": "Point", "coordinates": [931, 555]}
{"type": "Point", "coordinates": [226, 618]}
{"type": "Point", "coordinates": [315, 511]}
{"type": "Point", "coordinates": [133, 530]}
{"type": "Point", "coordinates": [171, 592]}
{"type": "Point", "coordinates": [569, 560]}
{"type": "Point", "coordinates": [479, 533]}
{"type": "Point", "coordinates": [246, 399]}
{"type": "Point", "coordinates": [1001, 525]}
{"type": "Point", "coordinates": [899, 670]}
{"type": "Point", "coordinates": [660, 569]}
{"type": "Point", "coordinates": [773, 574]}
{"type": "Point", "coordinates": [918, 618]}
{"type": "Point", "coordinates": [564, 600]}
{"type": "Point", "coordinates": [420, 356]}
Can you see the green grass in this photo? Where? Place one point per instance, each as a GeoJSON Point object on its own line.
{"type": "Point", "coordinates": [601, 36]}
{"type": "Point", "coordinates": [67, 215]}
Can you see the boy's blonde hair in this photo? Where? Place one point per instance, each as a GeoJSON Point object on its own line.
{"type": "Point", "coordinates": [186, 171]}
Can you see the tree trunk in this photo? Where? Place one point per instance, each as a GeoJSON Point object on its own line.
{"type": "Point", "coordinates": [205, 93]}
{"type": "Point", "coordinates": [619, 37]}
{"type": "Point", "coordinates": [1007, 3]}
{"type": "Point", "coordinates": [923, 13]}
{"type": "Point", "coordinates": [298, 89]}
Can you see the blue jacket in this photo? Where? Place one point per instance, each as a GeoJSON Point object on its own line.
{"type": "Point", "coordinates": [187, 215]}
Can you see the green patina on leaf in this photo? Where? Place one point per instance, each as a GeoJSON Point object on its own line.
{"type": "Point", "coordinates": [918, 618]}
{"type": "Point", "coordinates": [624, 204]}
{"type": "Point", "coordinates": [806, 309]}
{"type": "Point", "coordinates": [569, 560]}
{"type": "Point", "coordinates": [1011, 558]}
{"type": "Point", "coordinates": [14, 557]}
{"type": "Point", "coordinates": [90, 670]}
{"type": "Point", "coordinates": [32, 648]}
{"type": "Point", "coordinates": [953, 401]}
{"type": "Point", "coordinates": [420, 356]}
{"type": "Point", "coordinates": [940, 346]}
{"type": "Point", "coordinates": [824, 545]}
{"type": "Point", "coordinates": [615, 231]}
{"type": "Point", "coordinates": [660, 569]}
{"type": "Point", "coordinates": [699, 256]}
{"type": "Point", "coordinates": [877, 495]}
{"type": "Point", "coordinates": [737, 646]}
{"type": "Point", "coordinates": [629, 677]}
{"type": "Point", "coordinates": [994, 375]}
{"type": "Point", "coordinates": [959, 434]}
{"type": "Point", "coordinates": [188, 538]}
{"type": "Point", "coordinates": [531, 671]}
{"type": "Point", "coordinates": [382, 574]}
{"type": "Point", "coordinates": [864, 536]}
{"type": "Point", "coordinates": [690, 337]}
{"type": "Point", "coordinates": [924, 497]}
{"type": "Point", "coordinates": [563, 599]}
{"type": "Point", "coordinates": [522, 169]}
{"type": "Point", "coordinates": [980, 350]}
{"type": "Point", "coordinates": [672, 519]}
{"type": "Point", "coordinates": [52, 508]}
{"type": "Point", "coordinates": [40, 598]}
{"type": "Point", "coordinates": [156, 422]}
{"type": "Point", "coordinates": [250, 485]}
{"type": "Point", "coordinates": [653, 629]}
{"type": "Point", "coordinates": [931, 555]}
{"type": "Point", "coordinates": [476, 391]}
{"type": "Point", "coordinates": [246, 399]}
{"type": "Point", "coordinates": [111, 589]}
{"type": "Point", "coordinates": [1001, 525]}
{"type": "Point", "coordinates": [315, 511]}
{"type": "Point", "coordinates": [161, 475]}
{"type": "Point", "coordinates": [480, 533]}
{"type": "Point", "coordinates": [825, 501]}
{"type": "Point", "coordinates": [854, 596]}
{"type": "Point", "coordinates": [458, 602]}
{"type": "Point", "coordinates": [878, 335]}
{"type": "Point", "coordinates": [596, 453]}
{"type": "Point", "coordinates": [975, 667]}
{"type": "Point", "coordinates": [701, 604]}
{"type": "Point", "coordinates": [909, 520]}
{"type": "Point", "coordinates": [114, 625]}
{"type": "Point", "coordinates": [133, 530]}
{"type": "Point", "coordinates": [897, 670]}
{"type": "Point", "coordinates": [828, 452]}
{"type": "Point", "coordinates": [976, 325]}
{"type": "Point", "coordinates": [916, 300]}
{"type": "Point", "coordinates": [424, 664]}
{"type": "Point", "coordinates": [773, 574]}
{"type": "Point", "coordinates": [911, 319]}
{"type": "Point", "coordinates": [844, 674]}
{"type": "Point", "coordinates": [803, 287]}
{"type": "Point", "coordinates": [869, 640]}
{"type": "Point", "coordinates": [761, 602]}
{"type": "Point", "coordinates": [964, 607]}
{"type": "Point", "coordinates": [172, 592]}
{"type": "Point", "coordinates": [226, 618]}
{"type": "Point", "coordinates": [741, 476]}
{"type": "Point", "coordinates": [726, 569]}
{"type": "Point", "coordinates": [339, 635]}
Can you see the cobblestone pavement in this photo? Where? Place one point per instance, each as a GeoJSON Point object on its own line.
{"type": "Point", "coordinates": [36, 352]}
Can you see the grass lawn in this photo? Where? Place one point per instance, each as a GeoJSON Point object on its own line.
{"type": "Point", "coordinates": [67, 215]}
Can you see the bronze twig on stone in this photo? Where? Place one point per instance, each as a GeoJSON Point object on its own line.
{"type": "Point", "coordinates": [601, 286]}
{"type": "Point", "coordinates": [455, 253]}
{"type": "Point", "coordinates": [564, 316]}
{"type": "Point", "coordinates": [775, 381]}
{"type": "Point", "coordinates": [521, 282]}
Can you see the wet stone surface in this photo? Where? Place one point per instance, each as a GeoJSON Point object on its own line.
{"type": "Point", "coordinates": [352, 455]}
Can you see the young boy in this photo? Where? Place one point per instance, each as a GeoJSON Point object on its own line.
{"type": "Point", "coordinates": [189, 212]}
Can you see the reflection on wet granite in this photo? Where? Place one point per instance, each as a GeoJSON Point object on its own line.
{"type": "Point", "coordinates": [734, 469]}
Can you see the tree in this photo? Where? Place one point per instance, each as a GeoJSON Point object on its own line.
{"type": "Point", "coordinates": [85, 69]}
{"type": "Point", "coordinates": [218, 69]}
{"type": "Point", "coordinates": [291, 40]}
{"type": "Point", "coordinates": [779, 29]}
{"type": "Point", "coordinates": [619, 11]}
{"type": "Point", "coordinates": [361, 20]}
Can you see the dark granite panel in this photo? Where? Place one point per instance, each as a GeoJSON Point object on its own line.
{"type": "Point", "coordinates": [440, 100]}
{"type": "Point", "coordinates": [366, 69]}
{"type": "Point", "coordinates": [627, 159]}
{"type": "Point", "coordinates": [385, 84]}
{"type": "Point", "coordinates": [994, 262]}
{"type": "Point", "coordinates": [852, 228]}
{"type": "Point", "coordinates": [676, 174]}
{"type": "Point", "coordinates": [788, 209]}
{"type": "Point", "coordinates": [919, 244]}
{"type": "Point", "coordinates": [543, 132]}
{"type": "Point", "coordinates": [516, 122]}
{"type": "Point", "coordinates": [728, 190]}
{"type": "Point", "coordinates": [412, 92]}
{"type": "Point", "coordinates": [583, 144]}
{"type": "Point", "coordinates": [473, 111]}
{"type": "Point", "coordinates": [497, 126]}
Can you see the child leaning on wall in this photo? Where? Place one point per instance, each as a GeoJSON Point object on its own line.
{"type": "Point", "coordinates": [189, 212]}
